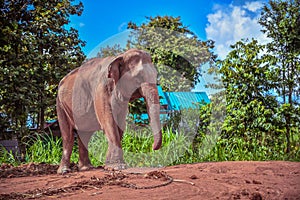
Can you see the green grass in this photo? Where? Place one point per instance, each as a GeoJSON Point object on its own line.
{"type": "Point", "coordinates": [137, 147]}
{"type": "Point", "coordinates": [8, 157]}
{"type": "Point", "coordinates": [43, 148]}
{"type": "Point", "coordinates": [176, 149]}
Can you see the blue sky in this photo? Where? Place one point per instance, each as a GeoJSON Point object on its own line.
{"type": "Point", "coordinates": [224, 21]}
{"type": "Point", "coordinates": [100, 21]}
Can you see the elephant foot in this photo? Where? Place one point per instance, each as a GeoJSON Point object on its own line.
{"type": "Point", "coordinates": [117, 166]}
{"type": "Point", "coordinates": [63, 170]}
{"type": "Point", "coordinates": [85, 167]}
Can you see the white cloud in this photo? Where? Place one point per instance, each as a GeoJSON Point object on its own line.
{"type": "Point", "coordinates": [253, 6]}
{"type": "Point", "coordinates": [228, 25]}
{"type": "Point", "coordinates": [81, 24]}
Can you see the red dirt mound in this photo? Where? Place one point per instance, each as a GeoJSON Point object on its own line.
{"type": "Point", "coordinates": [216, 180]}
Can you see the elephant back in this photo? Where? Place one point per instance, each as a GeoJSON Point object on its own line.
{"type": "Point", "coordinates": [88, 77]}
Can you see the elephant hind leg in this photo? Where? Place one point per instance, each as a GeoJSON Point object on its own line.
{"type": "Point", "coordinates": [67, 133]}
{"type": "Point", "coordinates": [68, 144]}
{"type": "Point", "coordinates": [84, 161]}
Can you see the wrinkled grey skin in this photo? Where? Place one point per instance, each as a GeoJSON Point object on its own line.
{"type": "Point", "coordinates": [96, 95]}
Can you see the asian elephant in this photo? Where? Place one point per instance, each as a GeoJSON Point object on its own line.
{"type": "Point", "coordinates": [95, 97]}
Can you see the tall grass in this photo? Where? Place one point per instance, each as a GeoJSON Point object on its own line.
{"type": "Point", "coordinates": [173, 145]}
{"type": "Point", "coordinates": [177, 148]}
{"type": "Point", "coordinates": [8, 157]}
{"type": "Point", "coordinates": [137, 147]}
{"type": "Point", "coordinates": [43, 148]}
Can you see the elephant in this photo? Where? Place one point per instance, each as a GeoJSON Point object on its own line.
{"type": "Point", "coordinates": [95, 97]}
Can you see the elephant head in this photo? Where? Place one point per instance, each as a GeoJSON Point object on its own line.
{"type": "Point", "coordinates": [134, 76]}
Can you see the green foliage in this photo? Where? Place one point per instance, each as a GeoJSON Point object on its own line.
{"type": "Point", "coordinates": [177, 149]}
{"type": "Point", "coordinates": [110, 51]}
{"type": "Point", "coordinates": [253, 112]}
{"type": "Point", "coordinates": [249, 104]}
{"type": "Point", "coordinates": [262, 81]}
{"type": "Point", "coordinates": [261, 89]}
{"type": "Point", "coordinates": [37, 50]}
{"type": "Point", "coordinates": [8, 157]}
{"type": "Point", "coordinates": [176, 51]}
{"type": "Point", "coordinates": [43, 148]}
{"type": "Point", "coordinates": [136, 108]}
{"type": "Point", "coordinates": [138, 141]}
{"type": "Point", "coordinates": [97, 148]}
{"type": "Point", "coordinates": [281, 23]}
{"type": "Point", "coordinates": [137, 146]}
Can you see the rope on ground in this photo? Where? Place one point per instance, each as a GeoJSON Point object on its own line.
{"type": "Point", "coordinates": [151, 175]}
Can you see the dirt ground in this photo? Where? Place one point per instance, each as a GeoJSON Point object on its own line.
{"type": "Point", "coordinates": [213, 180]}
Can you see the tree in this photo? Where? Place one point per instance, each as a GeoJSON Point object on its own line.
{"type": "Point", "coordinates": [110, 51]}
{"type": "Point", "coordinates": [281, 23]}
{"type": "Point", "coordinates": [250, 105]}
{"type": "Point", "coordinates": [37, 50]}
{"type": "Point", "coordinates": [262, 81]}
{"type": "Point", "coordinates": [176, 51]}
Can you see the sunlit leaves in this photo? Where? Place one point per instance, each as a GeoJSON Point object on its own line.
{"type": "Point", "coordinates": [37, 50]}
{"type": "Point", "coordinates": [175, 50]}
{"type": "Point", "coordinates": [262, 81]}
{"type": "Point", "coordinates": [281, 23]}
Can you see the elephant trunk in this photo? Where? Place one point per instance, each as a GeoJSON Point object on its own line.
{"type": "Point", "coordinates": [150, 93]}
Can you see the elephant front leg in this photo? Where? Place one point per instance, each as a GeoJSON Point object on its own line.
{"type": "Point", "coordinates": [107, 111]}
{"type": "Point", "coordinates": [114, 157]}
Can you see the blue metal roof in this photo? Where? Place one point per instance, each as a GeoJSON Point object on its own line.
{"type": "Point", "coordinates": [185, 100]}
{"type": "Point", "coordinates": [174, 101]}
{"type": "Point", "coordinates": [182, 100]}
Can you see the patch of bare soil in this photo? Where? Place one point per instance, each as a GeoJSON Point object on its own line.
{"type": "Point", "coordinates": [31, 169]}
{"type": "Point", "coordinates": [215, 180]}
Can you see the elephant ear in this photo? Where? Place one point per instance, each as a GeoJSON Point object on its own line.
{"type": "Point", "coordinates": [115, 68]}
